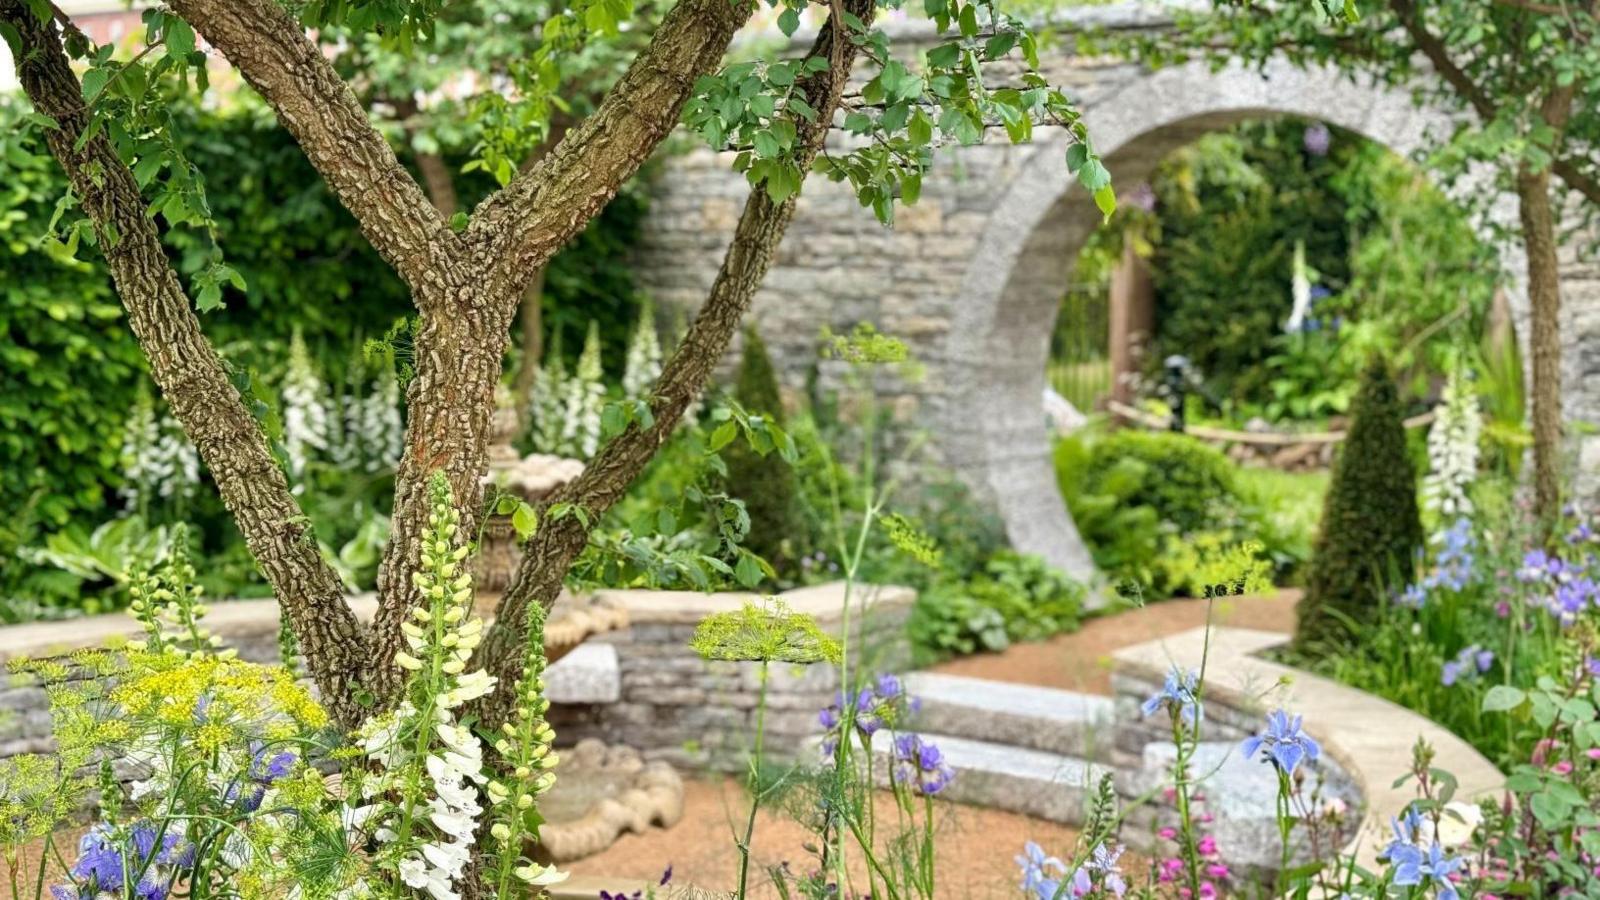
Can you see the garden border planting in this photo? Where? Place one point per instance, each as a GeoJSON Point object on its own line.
{"type": "Point", "coordinates": [1369, 738]}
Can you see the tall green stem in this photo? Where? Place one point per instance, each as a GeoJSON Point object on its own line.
{"type": "Point", "coordinates": [755, 787]}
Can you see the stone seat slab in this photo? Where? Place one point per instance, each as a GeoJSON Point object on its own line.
{"type": "Point", "coordinates": [1019, 715]}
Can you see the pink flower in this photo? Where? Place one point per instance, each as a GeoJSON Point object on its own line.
{"type": "Point", "coordinates": [1219, 871]}
{"type": "Point", "coordinates": [1167, 833]}
{"type": "Point", "coordinates": [1207, 889]}
{"type": "Point", "coordinates": [1207, 845]}
{"type": "Point", "coordinates": [1562, 768]}
{"type": "Point", "coordinates": [1592, 753]}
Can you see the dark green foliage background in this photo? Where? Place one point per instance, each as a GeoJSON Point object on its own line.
{"type": "Point", "coordinates": [1231, 213]}
{"type": "Point", "coordinates": [1371, 528]}
{"type": "Point", "coordinates": [70, 369]}
{"type": "Point", "coordinates": [766, 483]}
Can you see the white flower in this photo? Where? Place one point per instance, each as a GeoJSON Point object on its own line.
{"type": "Point", "coordinates": [1458, 821]}
{"type": "Point", "coordinates": [535, 874]}
{"type": "Point", "coordinates": [470, 687]}
{"type": "Point", "coordinates": [305, 418]}
{"type": "Point", "coordinates": [450, 857]}
{"type": "Point", "coordinates": [643, 363]}
{"type": "Point", "coordinates": [585, 400]}
{"type": "Point", "coordinates": [1453, 450]}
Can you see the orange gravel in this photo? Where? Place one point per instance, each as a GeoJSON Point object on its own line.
{"type": "Point", "coordinates": [974, 846]}
{"type": "Point", "coordinates": [1081, 661]}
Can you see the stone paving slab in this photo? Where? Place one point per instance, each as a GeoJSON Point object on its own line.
{"type": "Point", "coordinates": [1036, 783]}
{"type": "Point", "coordinates": [1370, 738]}
{"type": "Point", "coordinates": [591, 673]}
{"type": "Point", "coordinates": [1037, 718]}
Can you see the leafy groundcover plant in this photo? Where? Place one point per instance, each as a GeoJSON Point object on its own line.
{"type": "Point", "coordinates": [230, 796]}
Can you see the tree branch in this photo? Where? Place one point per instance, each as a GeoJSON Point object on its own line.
{"type": "Point", "coordinates": [191, 375]}
{"type": "Point", "coordinates": [270, 49]}
{"type": "Point", "coordinates": [1439, 56]}
{"type": "Point", "coordinates": [548, 203]}
{"type": "Point", "coordinates": [550, 552]}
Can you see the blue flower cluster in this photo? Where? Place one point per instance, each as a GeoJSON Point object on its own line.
{"type": "Point", "coordinates": [107, 858]}
{"type": "Point", "coordinates": [1471, 662]}
{"type": "Point", "coordinates": [1180, 695]}
{"type": "Point", "coordinates": [1285, 745]}
{"type": "Point", "coordinates": [1455, 565]}
{"type": "Point", "coordinates": [884, 703]}
{"type": "Point", "coordinates": [1415, 865]}
{"type": "Point", "coordinates": [1569, 589]}
{"type": "Point", "coordinates": [1042, 874]}
{"type": "Point", "coordinates": [921, 764]}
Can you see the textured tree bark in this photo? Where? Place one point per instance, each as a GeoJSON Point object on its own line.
{"type": "Point", "coordinates": [552, 549]}
{"type": "Point", "coordinates": [1544, 298]}
{"type": "Point", "coordinates": [193, 378]}
{"type": "Point", "coordinates": [466, 287]}
{"type": "Point", "coordinates": [546, 205]}
{"type": "Point", "coordinates": [531, 319]}
{"type": "Point", "coordinates": [264, 42]}
{"type": "Point", "coordinates": [463, 333]}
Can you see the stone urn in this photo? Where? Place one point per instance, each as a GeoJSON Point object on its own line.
{"type": "Point", "coordinates": [531, 478]}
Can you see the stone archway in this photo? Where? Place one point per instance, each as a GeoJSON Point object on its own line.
{"type": "Point", "coordinates": [999, 341]}
{"type": "Point", "coordinates": [971, 276]}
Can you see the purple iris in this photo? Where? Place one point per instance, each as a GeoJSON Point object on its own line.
{"type": "Point", "coordinates": [266, 769]}
{"type": "Point", "coordinates": [1180, 695]}
{"type": "Point", "coordinates": [1102, 867]}
{"type": "Point", "coordinates": [1285, 744]}
{"type": "Point", "coordinates": [100, 864]}
{"type": "Point", "coordinates": [921, 764]}
{"type": "Point", "coordinates": [885, 702]}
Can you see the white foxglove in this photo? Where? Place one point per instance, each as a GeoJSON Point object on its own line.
{"type": "Point", "coordinates": [1453, 451]}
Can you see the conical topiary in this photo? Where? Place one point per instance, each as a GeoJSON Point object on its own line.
{"type": "Point", "coordinates": [1371, 529]}
{"type": "Point", "coordinates": [766, 484]}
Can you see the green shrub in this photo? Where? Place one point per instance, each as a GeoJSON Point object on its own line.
{"type": "Point", "coordinates": [948, 621]}
{"type": "Point", "coordinates": [1130, 491]}
{"type": "Point", "coordinates": [1016, 597]}
{"type": "Point", "coordinates": [765, 482]}
{"type": "Point", "coordinates": [1371, 529]}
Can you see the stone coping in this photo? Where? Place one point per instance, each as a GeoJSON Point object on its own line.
{"type": "Point", "coordinates": [824, 602]}
{"type": "Point", "coordinates": [574, 620]}
{"type": "Point", "coordinates": [1370, 738]}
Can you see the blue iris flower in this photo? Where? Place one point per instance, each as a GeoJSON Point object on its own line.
{"type": "Point", "coordinates": [1180, 693]}
{"type": "Point", "coordinates": [1414, 867]}
{"type": "Point", "coordinates": [1036, 871]}
{"type": "Point", "coordinates": [1285, 744]}
{"type": "Point", "coordinates": [921, 764]}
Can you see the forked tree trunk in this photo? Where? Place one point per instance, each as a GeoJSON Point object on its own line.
{"type": "Point", "coordinates": [558, 541]}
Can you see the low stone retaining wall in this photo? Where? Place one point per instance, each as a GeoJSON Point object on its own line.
{"type": "Point", "coordinates": [666, 701]}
